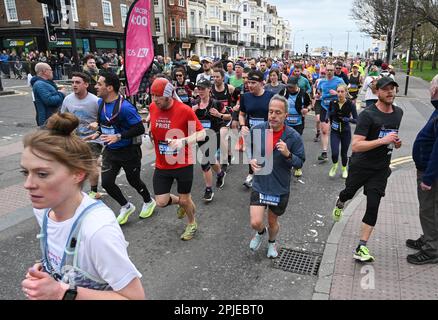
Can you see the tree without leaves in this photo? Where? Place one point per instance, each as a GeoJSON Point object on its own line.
{"type": "Point", "coordinates": [425, 10]}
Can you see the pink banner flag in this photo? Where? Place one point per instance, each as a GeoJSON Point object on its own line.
{"type": "Point", "coordinates": [139, 48]}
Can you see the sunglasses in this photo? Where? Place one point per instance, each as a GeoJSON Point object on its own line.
{"type": "Point", "coordinates": [179, 75]}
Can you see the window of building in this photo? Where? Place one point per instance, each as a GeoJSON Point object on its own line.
{"type": "Point", "coordinates": [245, 8]}
{"type": "Point", "coordinates": [181, 3]}
{"type": "Point", "coordinates": [182, 28]}
{"type": "Point", "coordinates": [214, 33]}
{"type": "Point", "coordinates": [224, 1]}
{"type": "Point", "coordinates": [171, 2]}
{"type": "Point", "coordinates": [225, 15]}
{"type": "Point", "coordinates": [123, 13]}
{"type": "Point", "coordinates": [172, 27]}
{"type": "Point", "coordinates": [157, 25]}
{"type": "Point", "coordinates": [107, 13]}
{"type": "Point", "coordinates": [192, 19]}
{"type": "Point", "coordinates": [245, 22]}
{"type": "Point", "coordinates": [11, 10]}
{"type": "Point", "coordinates": [252, 24]}
{"type": "Point", "coordinates": [155, 2]}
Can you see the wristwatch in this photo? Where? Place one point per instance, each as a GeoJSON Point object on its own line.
{"type": "Point", "coordinates": [119, 136]}
{"type": "Point", "coordinates": [71, 293]}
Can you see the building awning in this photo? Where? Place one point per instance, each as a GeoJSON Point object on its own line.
{"type": "Point", "coordinates": [23, 42]}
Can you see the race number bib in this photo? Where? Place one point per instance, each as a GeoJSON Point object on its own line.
{"type": "Point", "coordinates": [255, 121]}
{"type": "Point", "coordinates": [293, 120]}
{"type": "Point", "coordinates": [165, 149]}
{"type": "Point", "coordinates": [206, 124]}
{"type": "Point", "coordinates": [335, 125]}
{"type": "Point", "coordinates": [269, 200]}
{"type": "Point", "coordinates": [108, 130]}
{"type": "Point", "coordinates": [326, 102]}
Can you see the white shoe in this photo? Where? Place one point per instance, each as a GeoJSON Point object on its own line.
{"type": "Point", "coordinates": [248, 181]}
{"type": "Point", "coordinates": [124, 214]}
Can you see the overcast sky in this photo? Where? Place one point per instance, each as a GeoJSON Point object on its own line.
{"type": "Point", "coordinates": [320, 18]}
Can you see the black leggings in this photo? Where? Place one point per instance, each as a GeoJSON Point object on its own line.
{"type": "Point", "coordinates": [340, 138]}
{"type": "Point", "coordinates": [374, 183]}
{"type": "Point", "coordinates": [129, 159]}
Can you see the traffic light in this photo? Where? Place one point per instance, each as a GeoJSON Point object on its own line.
{"type": "Point", "coordinates": [54, 8]}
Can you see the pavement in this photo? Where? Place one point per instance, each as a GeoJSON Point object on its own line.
{"type": "Point", "coordinates": [390, 277]}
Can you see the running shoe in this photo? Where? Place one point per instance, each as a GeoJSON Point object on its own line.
{"type": "Point", "coordinates": [256, 241]}
{"type": "Point", "coordinates": [333, 170]}
{"type": "Point", "coordinates": [362, 254]}
{"type": "Point", "coordinates": [124, 214]}
{"type": "Point", "coordinates": [323, 157]}
{"type": "Point", "coordinates": [147, 209]}
{"type": "Point", "coordinates": [338, 211]}
{"type": "Point", "coordinates": [344, 172]}
{"type": "Point", "coordinates": [221, 179]}
{"type": "Point", "coordinates": [180, 212]}
{"type": "Point", "coordinates": [208, 195]}
{"type": "Point", "coordinates": [94, 195]}
{"type": "Point", "coordinates": [189, 232]}
{"type": "Point", "coordinates": [298, 173]}
{"type": "Point", "coordinates": [272, 251]}
{"type": "Point", "coordinates": [248, 181]}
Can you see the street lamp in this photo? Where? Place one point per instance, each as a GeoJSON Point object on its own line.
{"type": "Point", "coordinates": [295, 33]}
{"type": "Point", "coordinates": [410, 56]}
{"type": "Point", "coordinates": [348, 41]}
{"type": "Point", "coordinates": [331, 42]}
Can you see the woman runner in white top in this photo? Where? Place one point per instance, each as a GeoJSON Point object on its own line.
{"type": "Point", "coordinates": [84, 252]}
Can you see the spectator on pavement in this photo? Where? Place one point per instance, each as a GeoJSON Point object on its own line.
{"type": "Point", "coordinates": [425, 154]}
{"type": "Point", "coordinates": [48, 98]}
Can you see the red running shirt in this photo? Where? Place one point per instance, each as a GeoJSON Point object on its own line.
{"type": "Point", "coordinates": [175, 123]}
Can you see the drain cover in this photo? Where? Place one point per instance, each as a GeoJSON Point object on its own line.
{"type": "Point", "coordinates": [298, 262]}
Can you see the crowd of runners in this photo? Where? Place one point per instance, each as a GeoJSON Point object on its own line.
{"type": "Point", "coordinates": [215, 114]}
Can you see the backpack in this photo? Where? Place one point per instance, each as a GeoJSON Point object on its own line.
{"type": "Point", "coordinates": [115, 119]}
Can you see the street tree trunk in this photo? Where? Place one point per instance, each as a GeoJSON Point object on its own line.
{"type": "Point", "coordinates": [435, 55]}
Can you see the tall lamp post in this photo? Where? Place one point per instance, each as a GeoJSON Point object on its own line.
{"type": "Point", "coordinates": [348, 41]}
{"type": "Point", "coordinates": [295, 33]}
{"type": "Point", "coordinates": [331, 42]}
{"type": "Point", "coordinates": [411, 46]}
{"type": "Point", "coordinates": [72, 35]}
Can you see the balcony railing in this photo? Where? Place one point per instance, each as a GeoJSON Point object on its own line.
{"type": "Point", "coordinates": [200, 32]}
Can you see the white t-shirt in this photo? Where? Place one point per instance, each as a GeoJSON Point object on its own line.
{"type": "Point", "coordinates": [102, 250]}
{"type": "Point", "coordinates": [369, 95]}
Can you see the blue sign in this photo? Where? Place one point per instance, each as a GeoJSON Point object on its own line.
{"type": "Point", "coordinates": [376, 49]}
{"type": "Point", "coordinates": [324, 54]}
{"type": "Point", "coordinates": [86, 44]}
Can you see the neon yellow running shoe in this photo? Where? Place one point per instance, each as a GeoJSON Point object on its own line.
{"type": "Point", "coordinates": [180, 212]}
{"type": "Point", "coordinates": [147, 209]}
{"type": "Point", "coordinates": [362, 254]}
{"type": "Point", "coordinates": [124, 214]}
{"type": "Point", "coordinates": [189, 232]}
{"type": "Point", "coordinates": [344, 172]}
{"type": "Point", "coordinates": [333, 170]}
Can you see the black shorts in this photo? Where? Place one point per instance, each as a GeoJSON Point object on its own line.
{"type": "Point", "coordinates": [277, 210]}
{"type": "Point", "coordinates": [318, 107]}
{"type": "Point", "coordinates": [96, 149]}
{"type": "Point", "coordinates": [163, 180]}
{"type": "Point", "coordinates": [371, 179]}
{"type": "Point", "coordinates": [126, 157]}
{"type": "Point", "coordinates": [323, 116]}
{"type": "Point", "coordinates": [208, 157]}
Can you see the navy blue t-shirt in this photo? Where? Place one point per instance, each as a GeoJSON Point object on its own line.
{"type": "Point", "coordinates": [127, 118]}
{"type": "Point", "coordinates": [256, 108]}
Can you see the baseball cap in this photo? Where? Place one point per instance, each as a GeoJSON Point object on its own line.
{"type": "Point", "coordinates": [208, 59]}
{"type": "Point", "coordinates": [255, 75]}
{"type": "Point", "coordinates": [356, 66]}
{"type": "Point", "coordinates": [204, 83]}
{"type": "Point", "coordinates": [161, 87]}
{"type": "Point", "coordinates": [384, 66]}
{"type": "Point", "coordinates": [385, 81]}
{"type": "Point", "coordinates": [292, 82]}
{"type": "Point", "coordinates": [240, 64]}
